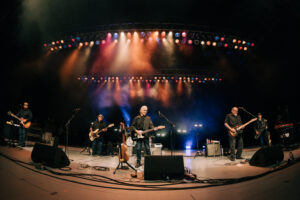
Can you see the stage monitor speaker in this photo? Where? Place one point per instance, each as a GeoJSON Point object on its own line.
{"type": "Point", "coordinates": [50, 156]}
{"type": "Point", "coordinates": [163, 167]}
{"type": "Point", "coordinates": [267, 156]}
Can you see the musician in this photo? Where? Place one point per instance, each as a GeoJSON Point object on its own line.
{"type": "Point", "coordinates": [261, 127]}
{"type": "Point", "coordinates": [97, 143]}
{"type": "Point", "coordinates": [25, 113]}
{"type": "Point", "coordinates": [233, 120]}
{"type": "Point", "coordinates": [141, 123]}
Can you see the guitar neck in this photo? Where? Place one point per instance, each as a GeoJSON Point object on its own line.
{"type": "Point", "coordinates": [16, 117]}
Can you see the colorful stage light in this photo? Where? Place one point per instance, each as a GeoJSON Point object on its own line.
{"type": "Point", "coordinates": [128, 35]}
{"type": "Point", "coordinates": [208, 43]}
{"type": "Point", "coordinates": [80, 44]}
{"type": "Point", "coordinates": [225, 45]}
{"type": "Point", "coordinates": [214, 44]}
{"type": "Point", "coordinates": [222, 39]}
{"type": "Point", "coordinates": [177, 41]}
{"type": "Point", "coordinates": [53, 43]}
{"type": "Point", "coordinates": [103, 42]}
{"type": "Point", "coordinates": [177, 34]}
{"type": "Point", "coordinates": [62, 41]}
{"type": "Point", "coordinates": [202, 43]}
{"type": "Point", "coordinates": [143, 34]}
{"type": "Point", "coordinates": [245, 48]}
{"type": "Point", "coordinates": [252, 44]}
{"type": "Point", "coordinates": [69, 45]}
{"type": "Point", "coordinates": [235, 47]}
{"type": "Point", "coordinates": [234, 40]}
{"type": "Point", "coordinates": [86, 43]}
{"type": "Point", "coordinates": [217, 38]}
{"type": "Point", "coordinates": [244, 42]}
{"type": "Point", "coordinates": [116, 35]}
{"type": "Point", "coordinates": [190, 41]}
{"type": "Point", "coordinates": [73, 39]}
{"type": "Point", "coordinates": [183, 34]}
{"type": "Point", "coordinates": [163, 34]}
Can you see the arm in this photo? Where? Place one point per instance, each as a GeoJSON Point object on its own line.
{"type": "Point", "coordinates": [29, 115]}
{"type": "Point", "coordinates": [228, 127]}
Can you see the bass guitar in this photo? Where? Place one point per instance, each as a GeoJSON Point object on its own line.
{"type": "Point", "coordinates": [95, 134]}
{"type": "Point", "coordinates": [136, 136]}
{"type": "Point", "coordinates": [238, 129]}
{"type": "Point", "coordinates": [26, 124]}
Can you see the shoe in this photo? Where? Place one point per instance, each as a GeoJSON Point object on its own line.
{"type": "Point", "coordinates": [137, 165]}
{"type": "Point", "coordinates": [240, 157]}
{"type": "Point", "coordinates": [232, 159]}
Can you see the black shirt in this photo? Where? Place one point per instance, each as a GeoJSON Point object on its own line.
{"type": "Point", "coordinates": [233, 120]}
{"type": "Point", "coordinates": [260, 125]}
{"type": "Point", "coordinates": [98, 125]}
{"type": "Point", "coordinates": [25, 113]}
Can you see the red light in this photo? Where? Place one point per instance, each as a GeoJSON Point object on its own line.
{"type": "Point", "coordinates": [57, 42]}
{"type": "Point", "coordinates": [69, 46]}
{"type": "Point", "coordinates": [208, 43]}
{"type": "Point", "coordinates": [103, 42]}
{"type": "Point", "coordinates": [225, 45]}
{"type": "Point", "coordinates": [86, 43]}
{"type": "Point", "coordinates": [163, 34]}
{"type": "Point", "coordinates": [183, 34]}
{"type": "Point", "coordinates": [252, 44]}
{"type": "Point", "coordinates": [45, 45]}
{"type": "Point", "coordinates": [190, 42]}
{"type": "Point", "coordinates": [73, 39]}
{"type": "Point", "coordinates": [222, 39]}
{"type": "Point", "coordinates": [239, 41]}
{"type": "Point", "coordinates": [128, 35]}
{"type": "Point", "coordinates": [241, 48]}
{"type": "Point", "coordinates": [109, 35]}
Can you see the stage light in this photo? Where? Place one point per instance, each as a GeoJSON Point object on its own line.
{"type": "Point", "coordinates": [92, 43]}
{"type": "Point", "coordinates": [235, 47]}
{"type": "Point", "coordinates": [163, 34]}
{"type": "Point", "coordinates": [57, 42]}
{"type": "Point", "coordinates": [177, 34]}
{"type": "Point", "coordinates": [115, 35]}
{"type": "Point", "coordinates": [217, 38]}
{"type": "Point", "coordinates": [115, 41]}
{"type": "Point", "coordinates": [177, 41]}
{"type": "Point", "coordinates": [45, 45]}
{"type": "Point", "coordinates": [202, 43]}
{"type": "Point", "coordinates": [60, 47]}
{"type": "Point", "coordinates": [52, 49]}
{"type": "Point", "coordinates": [80, 44]}
{"type": "Point", "coordinates": [53, 43]}
{"type": "Point", "coordinates": [170, 34]}
{"type": "Point", "coordinates": [208, 43]}
{"type": "Point", "coordinates": [244, 42]}
{"type": "Point", "coordinates": [222, 39]}
{"type": "Point", "coordinates": [143, 34]}
{"type": "Point", "coordinates": [190, 41]}
{"type": "Point", "coordinates": [184, 131]}
{"type": "Point", "coordinates": [239, 41]}
{"type": "Point", "coordinates": [252, 44]}
{"type": "Point", "coordinates": [73, 39]}
{"type": "Point", "coordinates": [234, 41]}
{"type": "Point", "coordinates": [62, 41]}
{"type": "Point", "coordinates": [69, 45]}
{"type": "Point", "coordinates": [156, 33]}
{"type": "Point", "coordinates": [86, 43]}
{"type": "Point", "coordinates": [225, 45]}
{"type": "Point", "coordinates": [188, 147]}
{"type": "Point", "coordinates": [103, 42]}
{"type": "Point", "coordinates": [214, 44]}
{"type": "Point", "coordinates": [97, 42]}
{"type": "Point", "coordinates": [164, 40]}
{"type": "Point", "coordinates": [241, 48]}
{"type": "Point", "coordinates": [183, 34]}
{"type": "Point", "coordinates": [149, 34]}
{"type": "Point", "coordinates": [248, 43]}
{"type": "Point", "coordinates": [245, 48]}
{"type": "Point", "coordinates": [135, 34]}
{"type": "Point", "coordinates": [128, 35]}
{"type": "Point", "coordinates": [179, 130]}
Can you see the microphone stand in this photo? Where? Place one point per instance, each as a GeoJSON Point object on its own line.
{"type": "Point", "coordinates": [242, 108]}
{"type": "Point", "coordinates": [171, 131]}
{"type": "Point", "coordinates": [67, 125]}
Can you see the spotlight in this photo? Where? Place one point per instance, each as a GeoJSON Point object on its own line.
{"type": "Point", "coordinates": [53, 43]}
{"type": "Point", "coordinates": [97, 42]}
{"type": "Point", "coordinates": [143, 34]}
{"type": "Point", "coordinates": [245, 48]}
{"type": "Point", "coordinates": [252, 44]}
{"type": "Point", "coordinates": [188, 147]}
{"type": "Point", "coordinates": [217, 38]}
{"type": "Point", "coordinates": [62, 41]}
{"type": "Point", "coordinates": [163, 34]}
{"type": "Point", "coordinates": [177, 41]}
{"type": "Point", "coordinates": [103, 42]}
{"type": "Point", "coordinates": [234, 41]}
{"type": "Point", "coordinates": [225, 45]}
{"type": "Point", "coordinates": [214, 44]}
{"type": "Point", "coordinates": [183, 34]}
{"type": "Point", "coordinates": [80, 44]}
{"type": "Point", "coordinates": [73, 39]}
{"type": "Point", "coordinates": [177, 34]}
{"type": "Point", "coordinates": [128, 35]}
{"type": "Point", "coordinates": [69, 45]}
{"type": "Point", "coordinates": [235, 47]}
{"type": "Point", "coordinates": [190, 42]}
{"type": "Point", "coordinates": [86, 43]}
{"type": "Point", "coordinates": [170, 34]}
{"type": "Point", "coordinates": [156, 33]}
{"type": "Point", "coordinates": [208, 43]}
{"type": "Point", "coordinates": [222, 39]}
{"type": "Point", "coordinates": [244, 42]}
{"type": "Point", "coordinates": [115, 35]}
{"type": "Point", "coordinates": [202, 43]}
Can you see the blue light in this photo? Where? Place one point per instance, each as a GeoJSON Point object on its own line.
{"type": "Point", "coordinates": [177, 34]}
{"type": "Point", "coordinates": [115, 35]}
{"type": "Point", "coordinates": [78, 38]}
{"type": "Point", "coordinates": [217, 38]}
{"type": "Point", "coordinates": [97, 42]}
{"type": "Point", "coordinates": [188, 147]}
{"type": "Point", "coordinates": [143, 34]}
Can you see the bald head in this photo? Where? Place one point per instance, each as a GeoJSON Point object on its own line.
{"type": "Point", "coordinates": [234, 110]}
{"type": "Point", "coordinates": [143, 110]}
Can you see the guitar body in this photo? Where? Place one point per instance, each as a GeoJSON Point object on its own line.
{"type": "Point", "coordinates": [136, 136]}
{"type": "Point", "coordinates": [26, 124]}
{"type": "Point", "coordinates": [95, 134]}
{"type": "Point", "coordinates": [123, 154]}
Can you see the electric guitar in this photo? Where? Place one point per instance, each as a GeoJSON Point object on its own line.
{"type": "Point", "coordinates": [136, 136]}
{"type": "Point", "coordinates": [95, 134]}
{"type": "Point", "coordinates": [26, 124]}
{"type": "Point", "coordinates": [238, 129]}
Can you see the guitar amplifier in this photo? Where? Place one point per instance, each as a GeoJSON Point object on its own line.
{"type": "Point", "coordinates": [213, 149]}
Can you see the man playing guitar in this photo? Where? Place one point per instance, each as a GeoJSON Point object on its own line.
{"type": "Point", "coordinates": [139, 124]}
{"type": "Point", "coordinates": [233, 120]}
{"type": "Point", "coordinates": [261, 130]}
{"type": "Point", "coordinates": [97, 142]}
{"type": "Point", "coordinates": [25, 116]}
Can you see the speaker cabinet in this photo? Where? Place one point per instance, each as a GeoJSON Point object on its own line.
{"type": "Point", "coordinates": [163, 167]}
{"type": "Point", "coordinates": [213, 149]}
{"type": "Point", "coordinates": [267, 156]}
{"type": "Point", "coordinates": [49, 155]}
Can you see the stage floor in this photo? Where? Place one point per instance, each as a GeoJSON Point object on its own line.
{"type": "Point", "coordinates": [30, 183]}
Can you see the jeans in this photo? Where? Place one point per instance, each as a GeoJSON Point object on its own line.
{"type": "Point", "coordinates": [240, 144]}
{"type": "Point", "coordinates": [139, 143]}
{"type": "Point", "coordinates": [264, 140]}
{"type": "Point", "coordinates": [97, 147]}
{"type": "Point", "coordinates": [22, 136]}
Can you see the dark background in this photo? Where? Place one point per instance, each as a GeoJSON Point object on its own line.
{"type": "Point", "coordinates": [263, 80]}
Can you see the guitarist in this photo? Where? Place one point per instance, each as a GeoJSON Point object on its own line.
{"type": "Point", "coordinates": [97, 143]}
{"type": "Point", "coordinates": [261, 129]}
{"type": "Point", "coordinates": [141, 123]}
{"type": "Point", "coordinates": [233, 120]}
{"type": "Point", "coordinates": [26, 114]}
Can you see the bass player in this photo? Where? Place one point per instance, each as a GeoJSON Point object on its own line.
{"type": "Point", "coordinates": [97, 142]}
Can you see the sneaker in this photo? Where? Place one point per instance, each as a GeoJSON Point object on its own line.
{"type": "Point", "coordinates": [240, 157]}
{"type": "Point", "coordinates": [232, 158]}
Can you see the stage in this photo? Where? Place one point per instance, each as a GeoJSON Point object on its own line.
{"type": "Point", "coordinates": [92, 177]}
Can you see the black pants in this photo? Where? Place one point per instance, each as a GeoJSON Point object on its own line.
{"type": "Point", "coordinates": [232, 143]}
{"type": "Point", "coordinates": [264, 139]}
{"type": "Point", "coordinates": [139, 143]}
